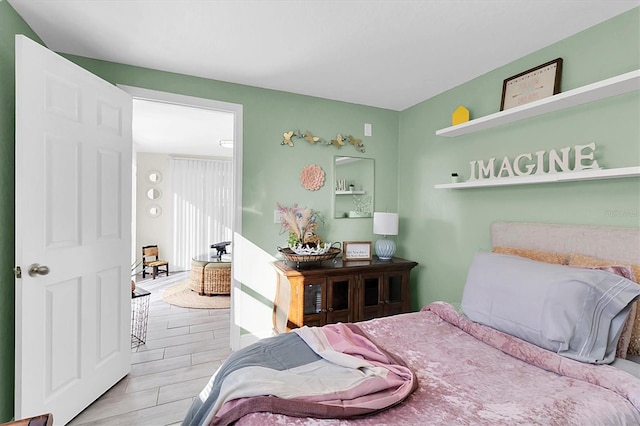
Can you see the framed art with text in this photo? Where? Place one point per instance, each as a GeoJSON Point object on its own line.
{"type": "Point", "coordinates": [534, 84]}
{"type": "Point", "coordinates": [356, 250]}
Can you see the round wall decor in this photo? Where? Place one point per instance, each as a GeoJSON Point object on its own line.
{"type": "Point", "coordinates": [312, 177]}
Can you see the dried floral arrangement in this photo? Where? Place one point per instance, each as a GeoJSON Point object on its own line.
{"type": "Point", "coordinates": [301, 223]}
{"type": "Point", "coordinates": [338, 142]}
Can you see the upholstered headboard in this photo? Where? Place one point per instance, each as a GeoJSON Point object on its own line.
{"type": "Point", "coordinates": [610, 243]}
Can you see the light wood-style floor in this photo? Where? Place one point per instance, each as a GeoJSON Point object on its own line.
{"type": "Point", "coordinates": [183, 349]}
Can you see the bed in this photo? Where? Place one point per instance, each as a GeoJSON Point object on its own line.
{"type": "Point", "coordinates": [550, 334]}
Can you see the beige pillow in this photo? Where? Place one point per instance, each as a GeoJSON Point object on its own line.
{"type": "Point", "coordinates": [538, 255]}
{"type": "Point", "coordinates": [629, 343]}
{"type": "Point", "coordinates": [622, 350]}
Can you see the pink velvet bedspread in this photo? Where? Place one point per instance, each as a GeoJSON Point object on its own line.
{"type": "Point", "coordinates": [469, 374]}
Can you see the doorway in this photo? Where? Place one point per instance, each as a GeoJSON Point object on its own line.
{"type": "Point", "coordinates": [215, 108]}
{"type": "Point", "coordinates": [184, 179]}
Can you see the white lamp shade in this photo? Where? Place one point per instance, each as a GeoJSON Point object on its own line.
{"type": "Point", "coordinates": [385, 223]}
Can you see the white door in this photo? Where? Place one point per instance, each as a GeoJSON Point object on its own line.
{"type": "Point", "coordinates": [73, 202]}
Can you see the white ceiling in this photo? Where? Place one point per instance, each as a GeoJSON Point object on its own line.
{"type": "Point", "coordinates": [175, 129]}
{"type": "Point", "coordinates": [384, 53]}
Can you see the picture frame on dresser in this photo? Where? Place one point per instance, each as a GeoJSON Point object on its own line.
{"type": "Point", "coordinates": [531, 85]}
{"type": "Point", "coordinates": [356, 250]}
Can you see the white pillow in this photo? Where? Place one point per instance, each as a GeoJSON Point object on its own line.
{"type": "Point", "coordinates": [578, 313]}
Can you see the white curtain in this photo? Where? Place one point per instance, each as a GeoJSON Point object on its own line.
{"type": "Point", "coordinates": [202, 198]}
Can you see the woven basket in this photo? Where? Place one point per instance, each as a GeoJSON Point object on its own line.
{"type": "Point", "coordinates": [196, 277]}
{"type": "Point", "coordinates": [289, 255]}
{"type": "Point", "coordinates": [217, 279]}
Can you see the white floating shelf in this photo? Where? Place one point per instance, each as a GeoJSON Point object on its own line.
{"type": "Point", "coordinates": [349, 192]}
{"type": "Point", "coordinates": [624, 172]}
{"type": "Point", "coordinates": [592, 92]}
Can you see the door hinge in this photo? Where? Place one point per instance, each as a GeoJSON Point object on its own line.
{"type": "Point", "coordinates": [17, 272]}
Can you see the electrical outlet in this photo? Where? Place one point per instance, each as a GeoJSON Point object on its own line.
{"type": "Point", "coordinates": [276, 216]}
{"type": "Point", "coordinates": [367, 129]}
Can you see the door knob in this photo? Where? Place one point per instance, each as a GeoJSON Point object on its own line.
{"type": "Point", "coordinates": [37, 269]}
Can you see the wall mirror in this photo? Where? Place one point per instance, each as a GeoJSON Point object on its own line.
{"type": "Point", "coordinates": [154, 176]}
{"type": "Point", "coordinates": [154, 193]}
{"type": "Point", "coordinates": [353, 187]}
{"type": "Point", "coordinates": [154, 210]}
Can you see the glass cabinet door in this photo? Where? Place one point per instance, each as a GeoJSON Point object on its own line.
{"type": "Point", "coordinates": [312, 299]}
{"type": "Point", "coordinates": [370, 296]}
{"type": "Point", "coordinates": [339, 292]}
{"type": "Point", "coordinates": [394, 291]}
{"type": "Point", "coordinates": [313, 304]}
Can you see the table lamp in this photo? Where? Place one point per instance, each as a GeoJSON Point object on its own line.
{"type": "Point", "coordinates": [385, 224]}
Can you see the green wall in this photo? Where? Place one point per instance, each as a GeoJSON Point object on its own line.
{"type": "Point", "coordinates": [10, 24]}
{"type": "Point", "coordinates": [442, 229]}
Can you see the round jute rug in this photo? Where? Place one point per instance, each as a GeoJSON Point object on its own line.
{"type": "Point", "coordinates": [181, 295]}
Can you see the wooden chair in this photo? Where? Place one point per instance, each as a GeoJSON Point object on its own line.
{"type": "Point", "coordinates": [150, 260]}
{"type": "Point", "coordinates": [41, 420]}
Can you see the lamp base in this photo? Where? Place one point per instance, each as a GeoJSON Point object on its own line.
{"type": "Point", "coordinates": [385, 248]}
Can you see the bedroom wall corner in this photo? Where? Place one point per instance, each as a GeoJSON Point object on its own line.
{"type": "Point", "coordinates": [444, 228]}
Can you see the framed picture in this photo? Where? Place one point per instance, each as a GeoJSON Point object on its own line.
{"type": "Point", "coordinates": [534, 84]}
{"type": "Point", "coordinates": [356, 250]}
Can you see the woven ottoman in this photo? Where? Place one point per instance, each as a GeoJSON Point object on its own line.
{"type": "Point", "coordinates": [196, 276]}
{"type": "Point", "coordinates": [210, 278]}
{"type": "Point", "coordinates": [217, 278]}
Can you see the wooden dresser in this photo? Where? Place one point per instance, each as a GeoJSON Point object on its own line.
{"type": "Point", "coordinates": [329, 292]}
